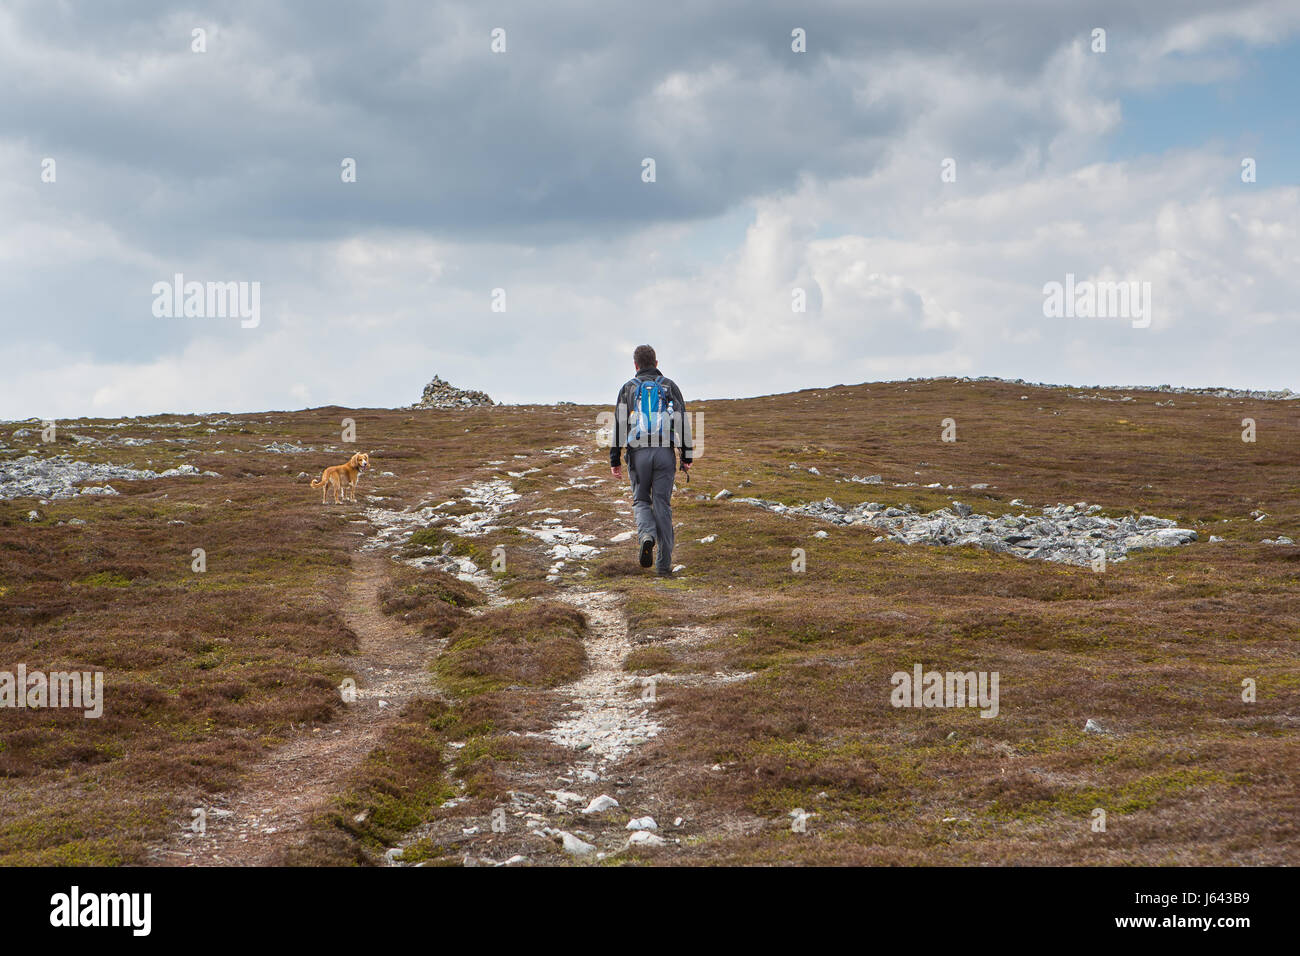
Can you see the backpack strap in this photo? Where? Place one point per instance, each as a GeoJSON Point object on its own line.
{"type": "Point", "coordinates": [629, 396]}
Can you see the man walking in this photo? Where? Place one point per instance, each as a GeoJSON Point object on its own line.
{"type": "Point", "coordinates": [650, 421]}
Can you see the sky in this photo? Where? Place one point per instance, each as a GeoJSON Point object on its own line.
{"type": "Point", "coordinates": [918, 175]}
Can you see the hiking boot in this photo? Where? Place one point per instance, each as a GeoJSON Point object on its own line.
{"type": "Point", "coordinates": [647, 552]}
{"type": "Point", "coordinates": [665, 574]}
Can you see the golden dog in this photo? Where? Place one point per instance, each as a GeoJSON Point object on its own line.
{"type": "Point", "coordinates": [342, 477]}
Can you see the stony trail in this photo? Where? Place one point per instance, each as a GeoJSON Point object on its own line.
{"type": "Point", "coordinates": [271, 809]}
{"type": "Point", "coordinates": [608, 711]}
{"type": "Point", "coordinates": [612, 715]}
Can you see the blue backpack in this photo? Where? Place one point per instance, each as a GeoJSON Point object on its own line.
{"type": "Point", "coordinates": [650, 419]}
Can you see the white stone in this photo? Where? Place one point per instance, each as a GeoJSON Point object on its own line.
{"type": "Point", "coordinates": [646, 838]}
{"type": "Point", "coordinates": [575, 846]}
{"type": "Point", "coordinates": [600, 804]}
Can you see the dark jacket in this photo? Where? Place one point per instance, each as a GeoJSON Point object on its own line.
{"type": "Point", "coordinates": [623, 404]}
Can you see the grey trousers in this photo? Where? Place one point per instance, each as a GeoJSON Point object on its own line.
{"type": "Point", "coordinates": [652, 471]}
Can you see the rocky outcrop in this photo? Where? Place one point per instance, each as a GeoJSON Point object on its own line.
{"type": "Point", "coordinates": [60, 476]}
{"type": "Point", "coordinates": [440, 394]}
{"type": "Point", "coordinates": [1068, 534]}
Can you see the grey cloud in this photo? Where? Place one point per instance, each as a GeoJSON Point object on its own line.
{"type": "Point", "coordinates": [225, 166]}
{"type": "Point", "coordinates": [541, 144]}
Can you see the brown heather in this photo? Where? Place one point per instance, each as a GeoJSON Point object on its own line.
{"type": "Point", "coordinates": [205, 672]}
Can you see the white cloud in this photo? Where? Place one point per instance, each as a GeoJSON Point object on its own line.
{"type": "Point", "coordinates": [837, 157]}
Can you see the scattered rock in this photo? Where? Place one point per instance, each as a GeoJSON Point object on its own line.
{"type": "Point", "coordinates": [1264, 395]}
{"type": "Point", "coordinates": [643, 823]}
{"type": "Point", "coordinates": [1067, 534]}
{"type": "Point", "coordinates": [721, 495]}
{"type": "Point", "coordinates": [99, 490]}
{"type": "Point", "coordinates": [60, 476]}
{"type": "Point", "coordinates": [284, 448]}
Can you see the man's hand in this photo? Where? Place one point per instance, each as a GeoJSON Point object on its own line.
{"type": "Point", "coordinates": [617, 471]}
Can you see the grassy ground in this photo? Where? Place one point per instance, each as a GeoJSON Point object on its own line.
{"type": "Point", "coordinates": [204, 671]}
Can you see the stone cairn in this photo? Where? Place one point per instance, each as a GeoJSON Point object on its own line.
{"type": "Point", "coordinates": [440, 394]}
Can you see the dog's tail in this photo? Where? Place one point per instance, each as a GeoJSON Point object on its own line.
{"type": "Point", "coordinates": [317, 483]}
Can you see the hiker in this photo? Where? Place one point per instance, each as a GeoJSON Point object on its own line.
{"type": "Point", "coordinates": [650, 422]}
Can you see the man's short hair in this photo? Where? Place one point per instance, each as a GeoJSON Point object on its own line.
{"type": "Point", "coordinates": [644, 356]}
